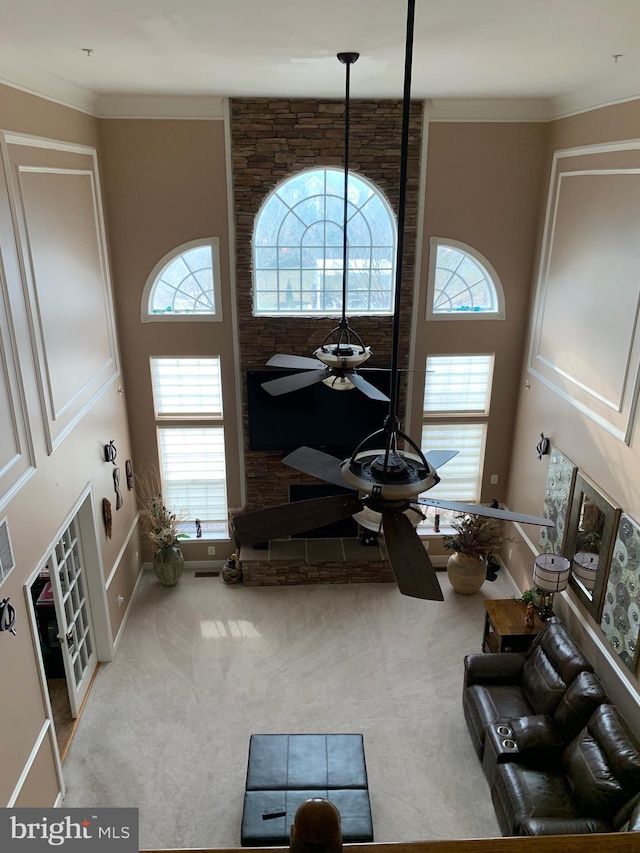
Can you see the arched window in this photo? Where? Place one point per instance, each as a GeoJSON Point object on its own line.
{"type": "Point", "coordinates": [462, 284]}
{"type": "Point", "coordinates": [185, 284]}
{"type": "Point", "coordinates": [297, 247]}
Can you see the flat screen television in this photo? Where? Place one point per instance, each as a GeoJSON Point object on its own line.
{"type": "Point", "coordinates": [335, 421]}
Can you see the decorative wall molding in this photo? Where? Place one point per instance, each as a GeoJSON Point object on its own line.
{"type": "Point", "coordinates": [46, 727]}
{"type": "Point", "coordinates": [590, 359]}
{"type": "Point", "coordinates": [47, 180]}
{"type": "Point", "coordinates": [17, 458]}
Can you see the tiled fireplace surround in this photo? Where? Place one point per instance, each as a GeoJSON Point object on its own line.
{"type": "Point", "coordinates": [271, 140]}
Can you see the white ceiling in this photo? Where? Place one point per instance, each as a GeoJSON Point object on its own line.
{"type": "Point", "coordinates": [464, 49]}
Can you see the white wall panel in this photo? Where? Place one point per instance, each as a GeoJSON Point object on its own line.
{"type": "Point", "coordinates": [586, 338]}
{"type": "Point", "coordinates": [56, 197]}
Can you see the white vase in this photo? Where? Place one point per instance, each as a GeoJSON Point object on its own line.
{"type": "Point", "coordinates": [466, 574]}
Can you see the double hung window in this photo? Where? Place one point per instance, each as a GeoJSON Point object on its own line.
{"type": "Point", "coordinates": [457, 393]}
{"type": "Point", "coordinates": [190, 429]}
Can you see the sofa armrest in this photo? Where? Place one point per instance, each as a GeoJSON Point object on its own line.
{"type": "Point", "coordinates": [493, 668]}
{"type": "Point", "coordinates": [562, 826]}
{"type": "Point", "coordinates": [634, 821]}
{"type": "Point", "coordinates": [628, 818]}
{"type": "Point", "coordinates": [536, 733]}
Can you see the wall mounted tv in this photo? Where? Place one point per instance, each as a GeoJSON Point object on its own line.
{"type": "Point", "coordinates": [315, 416]}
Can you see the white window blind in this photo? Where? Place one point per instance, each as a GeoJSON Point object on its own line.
{"type": "Point", "coordinates": [193, 471]}
{"type": "Point", "coordinates": [460, 478]}
{"type": "Point", "coordinates": [458, 384]}
{"type": "Point", "coordinates": [187, 387]}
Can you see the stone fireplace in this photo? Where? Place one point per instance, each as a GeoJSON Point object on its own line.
{"type": "Point", "coordinates": [271, 140]}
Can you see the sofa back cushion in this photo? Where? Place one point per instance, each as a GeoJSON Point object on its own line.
{"type": "Point", "coordinates": [602, 764]}
{"type": "Point", "coordinates": [583, 696]}
{"type": "Point", "coordinates": [553, 663]}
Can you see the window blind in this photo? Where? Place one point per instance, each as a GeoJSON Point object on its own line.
{"type": "Point", "coordinates": [187, 387]}
{"type": "Point", "coordinates": [460, 478]}
{"type": "Point", "coordinates": [193, 471]}
{"type": "Point", "coordinates": [458, 384]}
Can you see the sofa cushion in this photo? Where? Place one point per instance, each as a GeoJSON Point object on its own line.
{"type": "Point", "coordinates": [602, 765]}
{"type": "Point", "coordinates": [552, 665]}
{"type": "Point", "coordinates": [520, 792]}
{"type": "Point", "coordinates": [584, 695]}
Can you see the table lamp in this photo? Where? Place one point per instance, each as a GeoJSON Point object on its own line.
{"type": "Point", "coordinates": [550, 575]}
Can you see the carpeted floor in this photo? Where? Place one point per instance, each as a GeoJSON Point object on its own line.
{"type": "Point", "coordinates": [203, 665]}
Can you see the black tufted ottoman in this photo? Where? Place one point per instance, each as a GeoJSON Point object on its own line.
{"type": "Point", "coordinates": [285, 770]}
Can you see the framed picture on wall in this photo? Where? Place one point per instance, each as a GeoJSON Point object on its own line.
{"type": "Point", "coordinates": [557, 501]}
{"type": "Point", "coordinates": [620, 619]}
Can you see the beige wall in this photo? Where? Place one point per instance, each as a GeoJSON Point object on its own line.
{"type": "Point", "coordinates": [165, 185]}
{"type": "Point", "coordinates": [483, 189]}
{"type": "Point", "coordinates": [607, 461]}
{"type": "Point", "coordinates": [69, 404]}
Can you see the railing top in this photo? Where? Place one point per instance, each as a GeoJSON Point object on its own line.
{"type": "Point", "coordinates": [615, 842]}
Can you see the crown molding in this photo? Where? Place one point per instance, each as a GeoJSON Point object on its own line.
{"type": "Point", "coordinates": [604, 94]}
{"type": "Point", "coordinates": [26, 77]}
{"type": "Point", "coordinates": [489, 109]}
{"type": "Point", "coordinates": [196, 107]}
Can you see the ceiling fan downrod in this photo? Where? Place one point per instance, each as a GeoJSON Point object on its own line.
{"type": "Point", "coordinates": [343, 348]}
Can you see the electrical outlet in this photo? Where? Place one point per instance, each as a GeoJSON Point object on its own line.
{"type": "Point", "coordinates": [425, 542]}
{"type": "Point", "coordinates": [211, 550]}
{"type": "Point", "coordinates": [510, 553]}
{"type": "Point", "coordinates": [120, 600]}
{"type": "Point", "coordinates": [494, 479]}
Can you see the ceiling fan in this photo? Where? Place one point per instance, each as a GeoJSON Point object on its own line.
{"type": "Point", "coordinates": [342, 352]}
{"type": "Point", "coordinates": [386, 481]}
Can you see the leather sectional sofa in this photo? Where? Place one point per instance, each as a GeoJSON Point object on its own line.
{"type": "Point", "coordinates": [558, 757]}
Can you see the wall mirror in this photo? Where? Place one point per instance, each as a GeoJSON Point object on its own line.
{"type": "Point", "coordinates": [589, 542]}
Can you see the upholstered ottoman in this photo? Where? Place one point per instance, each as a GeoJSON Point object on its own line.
{"type": "Point", "coordinates": [285, 770]}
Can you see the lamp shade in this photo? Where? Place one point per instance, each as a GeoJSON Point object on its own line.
{"type": "Point", "coordinates": [551, 572]}
{"type": "Point", "coordinates": [585, 568]}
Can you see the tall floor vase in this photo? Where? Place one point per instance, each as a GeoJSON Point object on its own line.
{"type": "Point", "coordinates": [466, 574]}
{"type": "Point", "coordinates": [168, 565]}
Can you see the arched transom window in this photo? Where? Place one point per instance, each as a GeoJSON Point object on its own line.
{"type": "Point", "coordinates": [298, 244]}
{"type": "Point", "coordinates": [185, 284]}
{"type": "Point", "coordinates": [462, 283]}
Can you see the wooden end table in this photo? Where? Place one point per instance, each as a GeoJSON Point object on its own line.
{"type": "Point", "coordinates": [504, 627]}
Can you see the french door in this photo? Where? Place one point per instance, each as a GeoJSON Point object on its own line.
{"type": "Point", "coordinates": [73, 612]}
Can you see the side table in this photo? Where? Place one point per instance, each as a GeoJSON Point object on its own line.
{"type": "Point", "coordinates": [504, 627]}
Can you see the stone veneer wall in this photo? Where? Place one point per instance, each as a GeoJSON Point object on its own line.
{"type": "Point", "coordinates": [272, 140]}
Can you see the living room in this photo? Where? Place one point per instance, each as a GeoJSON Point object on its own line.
{"type": "Point", "coordinates": [481, 176]}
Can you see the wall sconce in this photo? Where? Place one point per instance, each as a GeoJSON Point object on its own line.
{"type": "Point", "coordinates": [543, 446]}
{"type": "Point", "coordinates": [550, 575]}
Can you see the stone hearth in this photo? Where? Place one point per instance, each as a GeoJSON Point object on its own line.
{"type": "Point", "coordinates": [300, 561]}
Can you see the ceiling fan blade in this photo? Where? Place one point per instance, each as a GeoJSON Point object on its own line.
{"type": "Point", "coordinates": [490, 512]}
{"type": "Point", "coordinates": [438, 458]}
{"type": "Point", "coordinates": [286, 384]}
{"type": "Point", "coordinates": [367, 388]}
{"type": "Point", "coordinates": [410, 562]}
{"type": "Point", "coordinates": [315, 463]}
{"type": "Point", "coordinates": [278, 521]}
{"type": "Point", "coordinates": [296, 362]}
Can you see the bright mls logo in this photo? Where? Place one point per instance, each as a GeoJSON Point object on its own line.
{"type": "Point", "coordinates": [82, 830]}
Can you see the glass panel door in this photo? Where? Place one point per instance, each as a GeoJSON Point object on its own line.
{"type": "Point", "coordinates": [74, 614]}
